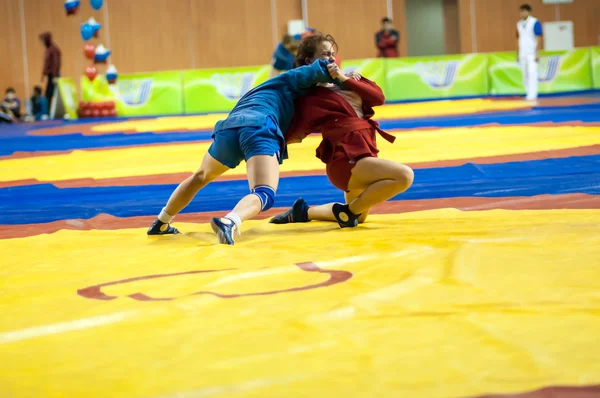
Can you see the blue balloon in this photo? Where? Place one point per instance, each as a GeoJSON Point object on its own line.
{"type": "Point", "coordinates": [102, 57]}
{"type": "Point", "coordinates": [87, 32]}
{"type": "Point", "coordinates": [71, 6]}
{"type": "Point", "coordinates": [96, 4]}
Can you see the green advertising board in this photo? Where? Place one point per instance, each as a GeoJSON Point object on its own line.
{"type": "Point", "coordinates": [67, 92]}
{"type": "Point", "coordinates": [218, 90]}
{"type": "Point", "coordinates": [138, 94]}
{"type": "Point", "coordinates": [595, 58]}
{"type": "Point", "coordinates": [372, 69]}
{"type": "Point", "coordinates": [557, 71]}
{"type": "Point", "coordinates": [436, 77]}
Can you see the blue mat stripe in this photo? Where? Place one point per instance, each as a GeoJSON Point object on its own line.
{"type": "Point", "coordinates": [44, 203]}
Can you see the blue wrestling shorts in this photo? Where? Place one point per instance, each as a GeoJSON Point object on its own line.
{"type": "Point", "coordinates": [231, 146]}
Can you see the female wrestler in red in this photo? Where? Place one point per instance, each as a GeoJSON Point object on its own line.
{"type": "Point", "coordinates": [342, 114]}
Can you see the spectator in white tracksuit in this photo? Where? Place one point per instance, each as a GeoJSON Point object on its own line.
{"type": "Point", "coordinates": [529, 33]}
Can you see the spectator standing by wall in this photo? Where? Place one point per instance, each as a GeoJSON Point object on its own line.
{"type": "Point", "coordinates": [529, 33]}
{"type": "Point", "coordinates": [52, 63]}
{"type": "Point", "coordinates": [387, 40]}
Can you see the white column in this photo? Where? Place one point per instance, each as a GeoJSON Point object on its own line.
{"type": "Point", "coordinates": [24, 51]}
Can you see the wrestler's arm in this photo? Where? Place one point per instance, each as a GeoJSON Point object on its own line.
{"type": "Point", "coordinates": [369, 91]}
{"type": "Point", "coordinates": [302, 124]}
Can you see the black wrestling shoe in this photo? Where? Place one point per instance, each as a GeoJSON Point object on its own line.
{"type": "Point", "coordinates": [225, 229]}
{"type": "Point", "coordinates": [161, 228]}
{"type": "Point", "coordinates": [344, 216]}
{"type": "Point", "coordinates": [298, 213]}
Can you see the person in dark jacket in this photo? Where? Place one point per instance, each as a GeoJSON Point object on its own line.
{"type": "Point", "coordinates": [387, 40]}
{"type": "Point", "coordinates": [52, 63]}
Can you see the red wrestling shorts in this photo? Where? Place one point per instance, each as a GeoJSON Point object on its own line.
{"type": "Point", "coordinates": [353, 147]}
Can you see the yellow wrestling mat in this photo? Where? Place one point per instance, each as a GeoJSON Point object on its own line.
{"type": "Point", "coordinates": [435, 304]}
{"type": "Point", "coordinates": [410, 147]}
{"type": "Point", "coordinates": [385, 112]}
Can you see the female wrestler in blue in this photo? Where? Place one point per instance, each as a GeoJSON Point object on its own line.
{"type": "Point", "coordinates": [253, 132]}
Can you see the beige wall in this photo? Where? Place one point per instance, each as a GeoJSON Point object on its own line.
{"type": "Point", "coordinates": [155, 35]}
{"type": "Point", "coordinates": [495, 22]}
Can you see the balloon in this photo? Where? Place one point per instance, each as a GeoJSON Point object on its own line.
{"type": "Point", "coordinates": [96, 4]}
{"type": "Point", "coordinates": [101, 54]}
{"type": "Point", "coordinates": [96, 113]}
{"type": "Point", "coordinates": [95, 26]}
{"type": "Point", "coordinates": [105, 112]}
{"type": "Point", "coordinates": [91, 72]}
{"type": "Point", "coordinates": [113, 112]}
{"type": "Point", "coordinates": [87, 32]}
{"type": "Point", "coordinates": [111, 74]}
{"type": "Point", "coordinates": [71, 7]}
{"type": "Point", "coordinates": [89, 50]}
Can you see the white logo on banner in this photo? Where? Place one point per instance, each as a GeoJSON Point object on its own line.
{"type": "Point", "coordinates": [233, 86]}
{"type": "Point", "coordinates": [134, 92]}
{"type": "Point", "coordinates": [548, 68]}
{"type": "Point", "coordinates": [437, 74]}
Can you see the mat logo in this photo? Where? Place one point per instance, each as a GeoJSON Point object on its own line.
{"type": "Point", "coordinates": [233, 86]}
{"type": "Point", "coordinates": [437, 74]}
{"type": "Point", "coordinates": [135, 92]}
{"type": "Point", "coordinates": [548, 68]}
{"type": "Point", "coordinates": [96, 292]}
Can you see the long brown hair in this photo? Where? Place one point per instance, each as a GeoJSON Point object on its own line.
{"type": "Point", "coordinates": [309, 46]}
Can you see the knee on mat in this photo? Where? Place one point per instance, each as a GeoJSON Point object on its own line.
{"type": "Point", "coordinates": [266, 194]}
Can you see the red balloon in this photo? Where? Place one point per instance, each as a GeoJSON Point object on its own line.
{"type": "Point", "coordinates": [87, 112]}
{"type": "Point", "coordinates": [110, 105]}
{"type": "Point", "coordinates": [113, 112]}
{"type": "Point", "coordinates": [96, 113]}
{"type": "Point", "coordinates": [84, 105]}
{"type": "Point", "coordinates": [105, 112]}
{"type": "Point", "coordinates": [91, 72]}
{"type": "Point", "coordinates": [89, 50]}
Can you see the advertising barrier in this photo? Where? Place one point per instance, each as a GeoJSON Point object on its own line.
{"type": "Point", "coordinates": [67, 100]}
{"type": "Point", "coordinates": [595, 64]}
{"type": "Point", "coordinates": [218, 90]}
{"type": "Point", "coordinates": [436, 77]}
{"type": "Point", "coordinates": [557, 71]}
{"type": "Point", "coordinates": [139, 94]}
{"type": "Point", "coordinates": [411, 78]}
